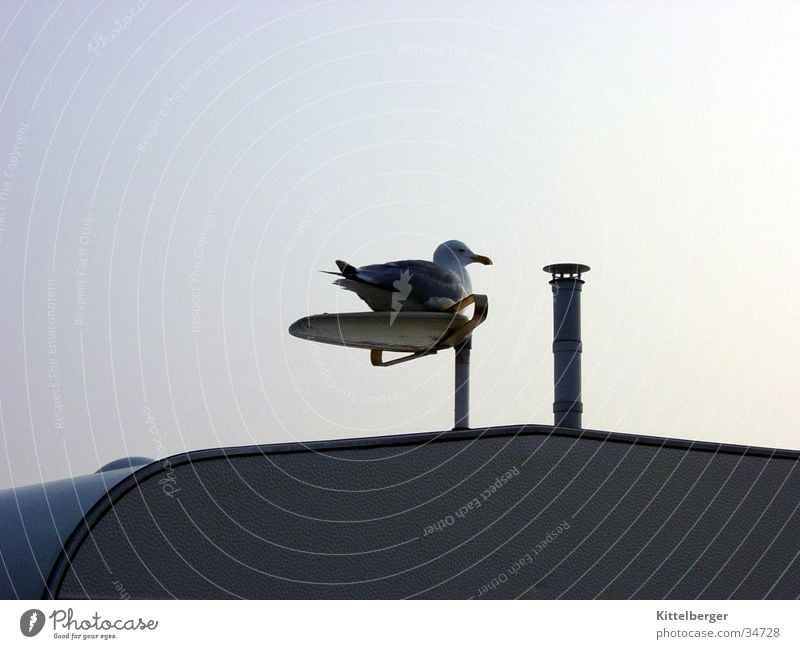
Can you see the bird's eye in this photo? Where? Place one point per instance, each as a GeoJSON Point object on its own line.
{"type": "Point", "coordinates": [462, 250]}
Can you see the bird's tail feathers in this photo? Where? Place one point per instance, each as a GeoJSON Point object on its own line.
{"type": "Point", "coordinates": [345, 269]}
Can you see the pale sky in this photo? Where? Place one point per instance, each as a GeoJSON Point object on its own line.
{"type": "Point", "coordinates": [173, 177]}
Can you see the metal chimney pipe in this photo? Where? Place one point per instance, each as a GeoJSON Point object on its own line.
{"type": "Point", "coordinates": [567, 345]}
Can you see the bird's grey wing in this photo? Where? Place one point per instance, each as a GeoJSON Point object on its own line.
{"type": "Point", "coordinates": [420, 285]}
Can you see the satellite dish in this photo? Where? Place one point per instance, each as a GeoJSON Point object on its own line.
{"type": "Point", "coordinates": [405, 332]}
{"type": "Point", "coordinates": [418, 333]}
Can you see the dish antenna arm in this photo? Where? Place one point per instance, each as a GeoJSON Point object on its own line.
{"type": "Point", "coordinates": [454, 339]}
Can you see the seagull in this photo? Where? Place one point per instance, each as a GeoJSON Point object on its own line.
{"type": "Point", "coordinates": [413, 284]}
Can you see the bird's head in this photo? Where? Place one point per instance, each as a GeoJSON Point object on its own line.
{"type": "Point", "coordinates": [457, 252]}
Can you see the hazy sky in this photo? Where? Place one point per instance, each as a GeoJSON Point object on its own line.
{"type": "Point", "coordinates": [173, 176]}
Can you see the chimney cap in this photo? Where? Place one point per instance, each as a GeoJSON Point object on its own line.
{"type": "Point", "coordinates": [566, 271]}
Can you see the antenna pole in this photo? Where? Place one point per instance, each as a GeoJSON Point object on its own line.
{"type": "Point", "coordinates": [462, 350]}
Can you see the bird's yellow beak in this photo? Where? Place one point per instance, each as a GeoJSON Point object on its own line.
{"type": "Point", "coordinates": [481, 259]}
